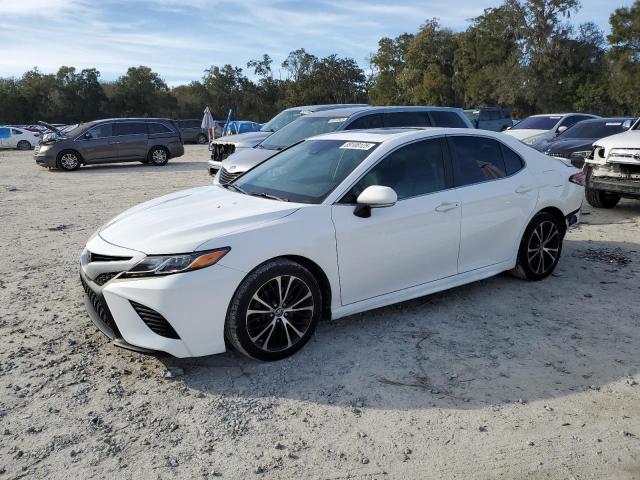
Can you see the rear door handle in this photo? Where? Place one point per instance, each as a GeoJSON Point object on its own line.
{"type": "Point", "coordinates": [446, 206]}
{"type": "Point", "coordinates": [524, 189]}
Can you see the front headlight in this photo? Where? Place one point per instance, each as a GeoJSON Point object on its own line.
{"type": "Point", "coordinates": [153, 265]}
{"type": "Point", "coordinates": [531, 140]}
{"type": "Point", "coordinates": [581, 154]}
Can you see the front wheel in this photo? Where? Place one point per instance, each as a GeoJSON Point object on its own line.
{"type": "Point", "coordinates": [201, 139]}
{"type": "Point", "coordinates": [600, 199]}
{"type": "Point", "coordinates": [158, 156]}
{"type": "Point", "coordinates": [540, 247]}
{"type": "Point", "coordinates": [69, 161]}
{"type": "Point", "coordinates": [275, 311]}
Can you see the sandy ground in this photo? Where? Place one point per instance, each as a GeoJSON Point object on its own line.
{"type": "Point", "coordinates": [499, 379]}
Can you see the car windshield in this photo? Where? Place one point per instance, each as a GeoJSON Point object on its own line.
{"type": "Point", "coordinates": [545, 122]}
{"type": "Point", "coordinates": [72, 130]}
{"type": "Point", "coordinates": [306, 172]}
{"type": "Point", "coordinates": [303, 127]}
{"type": "Point", "coordinates": [283, 118]}
{"type": "Point", "coordinates": [595, 130]}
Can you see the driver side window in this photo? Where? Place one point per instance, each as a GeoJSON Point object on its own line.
{"type": "Point", "coordinates": [412, 170]}
{"type": "Point", "coordinates": [101, 131]}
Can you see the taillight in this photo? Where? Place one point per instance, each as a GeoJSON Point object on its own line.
{"type": "Point", "coordinates": [577, 178]}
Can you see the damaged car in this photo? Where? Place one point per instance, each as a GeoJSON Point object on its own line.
{"type": "Point", "coordinates": [612, 170]}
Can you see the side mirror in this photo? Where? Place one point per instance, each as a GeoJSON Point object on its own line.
{"type": "Point", "coordinates": [375, 196]}
{"type": "Point", "coordinates": [87, 136]}
{"type": "Point", "coordinates": [561, 129]}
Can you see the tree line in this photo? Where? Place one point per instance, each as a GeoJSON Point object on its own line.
{"type": "Point", "coordinates": [524, 54]}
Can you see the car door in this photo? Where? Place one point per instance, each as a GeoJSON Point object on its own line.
{"type": "Point", "coordinates": [98, 144]}
{"type": "Point", "coordinates": [410, 243]}
{"type": "Point", "coordinates": [497, 194]}
{"type": "Point", "coordinates": [131, 138]}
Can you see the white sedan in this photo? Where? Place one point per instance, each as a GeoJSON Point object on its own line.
{"type": "Point", "coordinates": [334, 225]}
{"type": "Point", "coordinates": [22, 139]}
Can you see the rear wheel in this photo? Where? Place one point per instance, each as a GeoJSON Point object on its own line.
{"type": "Point", "coordinates": [275, 311]}
{"type": "Point", "coordinates": [68, 161]}
{"type": "Point", "coordinates": [540, 247]}
{"type": "Point", "coordinates": [158, 156]}
{"type": "Point", "coordinates": [24, 145]}
{"type": "Point", "coordinates": [201, 139]}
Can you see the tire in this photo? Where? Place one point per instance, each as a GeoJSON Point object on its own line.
{"type": "Point", "coordinates": [68, 160]}
{"type": "Point", "coordinates": [261, 325]}
{"type": "Point", "coordinates": [24, 145]}
{"type": "Point", "coordinates": [540, 247]}
{"type": "Point", "coordinates": [201, 139]}
{"type": "Point", "coordinates": [601, 199]}
{"type": "Point", "coordinates": [158, 156]}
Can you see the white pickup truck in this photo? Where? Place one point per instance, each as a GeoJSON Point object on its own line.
{"type": "Point", "coordinates": [613, 169]}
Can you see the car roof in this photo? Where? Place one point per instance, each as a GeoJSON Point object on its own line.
{"type": "Point", "coordinates": [561, 114]}
{"type": "Point", "coordinates": [347, 112]}
{"type": "Point", "coordinates": [607, 119]}
{"type": "Point", "coordinates": [329, 106]}
{"type": "Point", "coordinates": [380, 135]}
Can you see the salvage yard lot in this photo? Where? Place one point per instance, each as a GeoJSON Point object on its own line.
{"type": "Point", "coordinates": [498, 379]}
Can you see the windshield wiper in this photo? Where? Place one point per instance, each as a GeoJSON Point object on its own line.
{"type": "Point", "coordinates": [236, 188]}
{"type": "Point", "coordinates": [267, 195]}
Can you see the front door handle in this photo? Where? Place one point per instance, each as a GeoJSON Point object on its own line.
{"type": "Point", "coordinates": [524, 189]}
{"type": "Point", "coordinates": [446, 206]}
{"type": "Point", "coordinates": [114, 143]}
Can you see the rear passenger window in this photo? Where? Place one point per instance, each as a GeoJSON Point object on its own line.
{"type": "Point", "coordinates": [407, 119]}
{"type": "Point", "coordinates": [157, 128]}
{"type": "Point", "coordinates": [512, 160]}
{"type": "Point", "coordinates": [368, 121]}
{"type": "Point", "coordinates": [447, 119]}
{"type": "Point", "coordinates": [130, 128]}
{"type": "Point", "coordinates": [415, 169]}
{"type": "Point", "coordinates": [477, 160]}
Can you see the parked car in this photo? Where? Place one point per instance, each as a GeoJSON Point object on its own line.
{"type": "Point", "coordinates": [334, 120]}
{"type": "Point", "coordinates": [494, 119]}
{"type": "Point", "coordinates": [147, 140]}
{"type": "Point", "coordinates": [222, 147]}
{"type": "Point", "coordinates": [613, 169]}
{"type": "Point", "coordinates": [191, 131]}
{"type": "Point", "coordinates": [11, 137]}
{"type": "Point", "coordinates": [334, 225]}
{"type": "Point", "coordinates": [538, 128]}
{"type": "Point", "coordinates": [576, 143]}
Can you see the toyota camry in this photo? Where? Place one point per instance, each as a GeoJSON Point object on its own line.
{"type": "Point", "coordinates": [334, 225]}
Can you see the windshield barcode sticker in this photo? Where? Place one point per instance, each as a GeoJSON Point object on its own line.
{"type": "Point", "coordinates": [337, 120]}
{"type": "Point", "coordinates": [357, 145]}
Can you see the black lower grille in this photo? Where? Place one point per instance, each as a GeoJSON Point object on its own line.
{"type": "Point", "coordinates": [156, 322]}
{"type": "Point", "coordinates": [101, 308]}
{"type": "Point", "coordinates": [105, 277]}
{"type": "Point", "coordinates": [98, 257]}
{"type": "Point", "coordinates": [220, 151]}
{"type": "Point", "coordinates": [228, 177]}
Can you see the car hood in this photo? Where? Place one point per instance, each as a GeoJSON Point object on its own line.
{"type": "Point", "coordinates": [524, 133]}
{"type": "Point", "coordinates": [243, 160]}
{"type": "Point", "coordinates": [628, 139]}
{"type": "Point", "coordinates": [182, 221]}
{"type": "Point", "coordinates": [244, 140]}
{"type": "Point", "coordinates": [569, 145]}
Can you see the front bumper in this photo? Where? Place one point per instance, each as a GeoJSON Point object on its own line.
{"type": "Point", "coordinates": [194, 304]}
{"type": "Point", "coordinates": [45, 158]}
{"type": "Point", "coordinates": [214, 167]}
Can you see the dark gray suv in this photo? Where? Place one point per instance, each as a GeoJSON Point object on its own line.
{"type": "Point", "coordinates": [146, 140]}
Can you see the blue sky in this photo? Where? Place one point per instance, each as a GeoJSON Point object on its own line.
{"type": "Point", "coordinates": [180, 38]}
